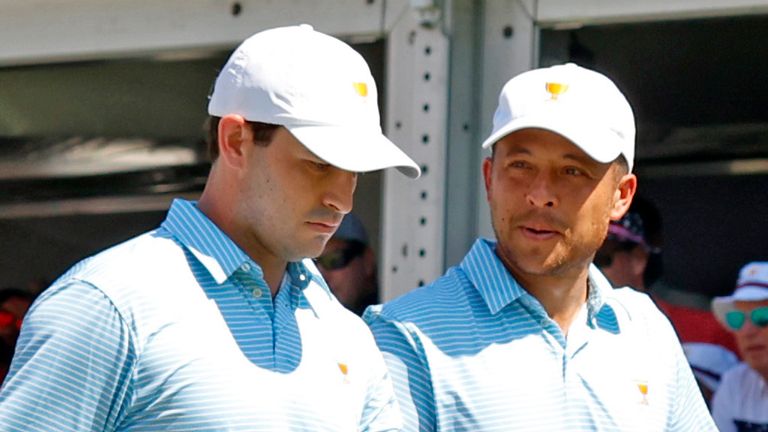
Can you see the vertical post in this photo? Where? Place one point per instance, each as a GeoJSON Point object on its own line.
{"type": "Point", "coordinates": [416, 119]}
{"type": "Point", "coordinates": [510, 42]}
{"type": "Point", "coordinates": [464, 19]}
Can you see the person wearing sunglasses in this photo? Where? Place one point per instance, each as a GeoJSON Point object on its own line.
{"type": "Point", "coordinates": [348, 265]}
{"type": "Point", "coordinates": [741, 400]}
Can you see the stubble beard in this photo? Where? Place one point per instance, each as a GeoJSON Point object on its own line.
{"type": "Point", "coordinates": [565, 256]}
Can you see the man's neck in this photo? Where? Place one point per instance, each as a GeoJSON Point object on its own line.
{"type": "Point", "coordinates": [561, 296]}
{"type": "Point", "coordinates": [219, 213]}
{"type": "Point", "coordinates": [273, 275]}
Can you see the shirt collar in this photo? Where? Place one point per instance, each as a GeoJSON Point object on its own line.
{"type": "Point", "coordinates": [318, 299]}
{"type": "Point", "coordinates": [217, 252]}
{"type": "Point", "coordinates": [486, 272]}
{"type": "Point", "coordinates": [599, 313]}
{"type": "Point", "coordinates": [214, 249]}
{"type": "Point", "coordinates": [499, 288]}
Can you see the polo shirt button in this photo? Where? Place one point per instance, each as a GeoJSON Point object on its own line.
{"type": "Point", "coordinates": [245, 267]}
{"type": "Point", "coordinates": [302, 277]}
{"type": "Point", "coordinates": [257, 292]}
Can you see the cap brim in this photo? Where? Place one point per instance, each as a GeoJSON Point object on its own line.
{"type": "Point", "coordinates": [354, 150]}
{"type": "Point", "coordinates": [591, 140]}
{"type": "Point", "coordinates": [722, 305]}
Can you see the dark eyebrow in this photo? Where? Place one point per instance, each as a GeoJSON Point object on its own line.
{"type": "Point", "coordinates": [583, 159]}
{"type": "Point", "coordinates": [516, 149]}
{"type": "Point", "coordinates": [578, 158]}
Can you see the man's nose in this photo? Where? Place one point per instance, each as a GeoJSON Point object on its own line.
{"type": "Point", "coordinates": [340, 191]}
{"type": "Point", "coordinates": [541, 192]}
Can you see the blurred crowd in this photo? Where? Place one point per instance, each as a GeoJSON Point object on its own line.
{"type": "Point", "coordinates": [726, 346]}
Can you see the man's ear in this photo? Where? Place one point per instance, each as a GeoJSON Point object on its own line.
{"type": "Point", "coordinates": [233, 134]}
{"type": "Point", "coordinates": [623, 195]}
{"type": "Point", "coordinates": [487, 168]}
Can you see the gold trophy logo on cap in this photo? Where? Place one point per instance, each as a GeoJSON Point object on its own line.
{"type": "Point", "coordinates": [361, 88]}
{"type": "Point", "coordinates": [556, 89]}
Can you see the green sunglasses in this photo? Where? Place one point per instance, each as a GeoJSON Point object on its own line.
{"type": "Point", "coordinates": [759, 316]}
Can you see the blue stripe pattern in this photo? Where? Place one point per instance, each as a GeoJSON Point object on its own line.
{"type": "Point", "coordinates": [473, 351]}
{"type": "Point", "coordinates": [177, 330]}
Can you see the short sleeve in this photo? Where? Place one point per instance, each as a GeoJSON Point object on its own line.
{"type": "Point", "coordinates": [411, 378]}
{"type": "Point", "coordinates": [73, 364]}
{"type": "Point", "coordinates": [689, 411]}
{"type": "Point", "coordinates": [381, 412]}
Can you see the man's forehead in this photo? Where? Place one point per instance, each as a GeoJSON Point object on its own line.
{"type": "Point", "coordinates": [540, 141]}
{"type": "Point", "coordinates": [749, 305]}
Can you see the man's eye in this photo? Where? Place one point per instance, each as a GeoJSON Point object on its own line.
{"type": "Point", "coordinates": [573, 171]}
{"type": "Point", "coordinates": [320, 166]}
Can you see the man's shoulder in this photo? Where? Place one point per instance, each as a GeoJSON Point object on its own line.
{"type": "Point", "coordinates": [327, 306]}
{"type": "Point", "coordinates": [124, 270]}
{"type": "Point", "coordinates": [427, 303]}
{"type": "Point", "coordinates": [741, 388]}
{"type": "Point", "coordinates": [636, 304]}
{"type": "Point", "coordinates": [152, 248]}
{"type": "Point", "coordinates": [738, 375]}
{"type": "Point", "coordinates": [635, 313]}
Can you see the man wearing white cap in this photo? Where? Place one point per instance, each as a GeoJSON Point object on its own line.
{"type": "Point", "coordinates": [217, 320]}
{"type": "Point", "coordinates": [525, 334]}
{"type": "Point", "coordinates": [741, 401]}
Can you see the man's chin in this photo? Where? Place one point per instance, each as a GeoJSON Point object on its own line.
{"type": "Point", "coordinates": [310, 249]}
{"type": "Point", "coordinates": [545, 266]}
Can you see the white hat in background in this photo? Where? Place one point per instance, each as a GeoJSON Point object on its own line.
{"type": "Point", "coordinates": [709, 362]}
{"type": "Point", "coordinates": [751, 286]}
{"type": "Point", "coordinates": [318, 88]}
{"type": "Point", "coordinates": [582, 105]}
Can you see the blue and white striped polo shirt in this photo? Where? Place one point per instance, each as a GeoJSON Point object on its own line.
{"type": "Point", "coordinates": [474, 351]}
{"type": "Point", "coordinates": [176, 330]}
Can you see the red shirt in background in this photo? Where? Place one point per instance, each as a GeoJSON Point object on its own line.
{"type": "Point", "coordinates": [696, 325]}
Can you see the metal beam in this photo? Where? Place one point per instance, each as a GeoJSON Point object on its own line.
{"type": "Point", "coordinates": [463, 24]}
{"type": "Point", "coordinates": [41, 31]}
{"type": "Point", "coordinates": [570, 13]}
{"type": "Point", "coordinates": [416, 115]}
{"type": "Point", "coordinates": [90, 206]}
{"type": "Point", "coordinates": [510, 43]}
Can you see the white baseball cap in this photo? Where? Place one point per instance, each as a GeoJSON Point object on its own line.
{"type": "Point", "coordinates": [318, 88]}
{"type": "Point", "coordinates": [582, 105]}
{"type": "Point", "coordinates": [752, 285]}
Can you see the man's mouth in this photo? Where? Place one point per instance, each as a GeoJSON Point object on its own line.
{"type": "Point", "coordinates": [755, 348]}
{"type": "Point", "coordinates": [324, 227]}
{"type": "Point", "coordinates": [539, 232]}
